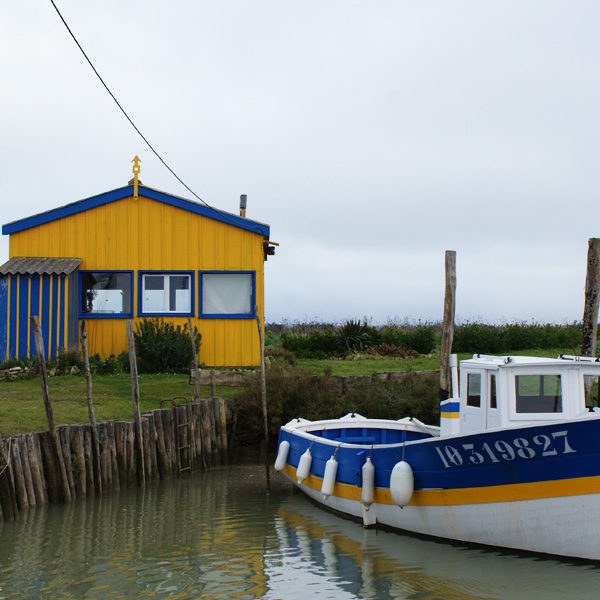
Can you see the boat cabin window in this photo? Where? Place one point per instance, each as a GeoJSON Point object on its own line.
{"type": "Point", "coordinates": [493, 402]}
{"type": "Point", "coordinates": [590, 384]}
{"type": "Point", "coordinates": [474, 390]}
{"type": "Point", "coordinates": [538, 393]}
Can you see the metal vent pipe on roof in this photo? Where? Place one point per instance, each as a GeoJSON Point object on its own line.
{"type": "Point", "coordinates": [243, 202]}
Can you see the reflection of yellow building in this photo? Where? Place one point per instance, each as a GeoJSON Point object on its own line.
{"type": "Point", "coordinates": [130, 253]}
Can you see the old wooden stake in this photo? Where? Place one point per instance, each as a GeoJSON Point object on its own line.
{"type": "Point", "coordinates": [88, 379]}
{"type": "Point", "coordinates": [448, 326]}
{"type": "Point", "coordinates": [41, 354]}
{"type": "Point", "coordinates": [263, 390]}
{"type": "Point", "coordinates": [135, 400]}
{"type": "Point", "coordinates": [592, 299]}
{"type": "Point", "coordinates": [196, 367]}
{"type": "Point", "coordinates": [8, 501]}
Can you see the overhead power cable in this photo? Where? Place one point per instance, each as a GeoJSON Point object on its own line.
{"type": "Point", "coordinates": [223, 214]}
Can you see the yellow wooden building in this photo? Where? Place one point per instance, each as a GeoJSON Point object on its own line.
{"type": "Point", "coordinates": [131, 253]}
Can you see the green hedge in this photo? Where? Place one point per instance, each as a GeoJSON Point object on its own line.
{"type": "Point", "coordinates": [490, 339]}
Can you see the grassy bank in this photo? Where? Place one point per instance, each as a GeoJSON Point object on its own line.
{"type": "Point", "coordinates": [22, 408]}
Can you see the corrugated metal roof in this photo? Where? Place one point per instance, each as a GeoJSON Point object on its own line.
{"type": "Point", "coordinates": [34, 265]}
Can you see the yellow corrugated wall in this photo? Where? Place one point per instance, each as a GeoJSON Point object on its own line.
{"type": "Point", "coordinates": [146, 234]}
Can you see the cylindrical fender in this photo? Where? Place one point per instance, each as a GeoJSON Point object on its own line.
{"type": "Point", "coordinates": [304, 466]}
{"type": "Point", "coordinates": [282, 454]}
{"type": "Point", "coordinates": [368, 486]}
{"type": "Point", "coordinates": [329, 478]}
{"type": "Point", "coordinates": [402, 484]}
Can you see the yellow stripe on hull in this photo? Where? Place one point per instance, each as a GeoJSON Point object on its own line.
{"type": "Point", "coordinates": [479, 495]}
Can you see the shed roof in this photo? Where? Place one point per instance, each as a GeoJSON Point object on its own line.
{"type": "Point", "coordinates": [39, 266]}
{"type": "Point", "coordinates": [125, 192]}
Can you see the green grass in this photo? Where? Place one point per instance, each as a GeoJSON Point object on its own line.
{"type": "Point", "coordinates": [22, 407]}
{"type": "Point", "coordinates": [367, 365]}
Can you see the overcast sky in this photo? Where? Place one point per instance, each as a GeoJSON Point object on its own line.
{"type": "Point", "coordinates": [372, 136]}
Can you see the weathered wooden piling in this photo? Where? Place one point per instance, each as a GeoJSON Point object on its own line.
{"type": "Point", "coordinates": [175, 437]}
{"type": "Point", "coordinates": [448, 326]}
{"type": "Point", "coordinates": [592, 299]}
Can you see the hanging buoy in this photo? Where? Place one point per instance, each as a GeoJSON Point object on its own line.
{"type": "Point", "coordinates": [368, 486]}
{"type": "Point", "coordinates": [304, 466]}
{"type": "Point", "coordinates": [282, 454]}
{"type": "Point", "coordinates": [402, 484]}
{"type": "Point", "coordinates": [329, 477]}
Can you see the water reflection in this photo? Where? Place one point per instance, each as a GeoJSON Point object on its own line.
{"type": "Point", "coordinates": [218, 535]}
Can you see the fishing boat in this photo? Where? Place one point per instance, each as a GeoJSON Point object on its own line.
{"type": "Point", "coordinates": [514, 463]}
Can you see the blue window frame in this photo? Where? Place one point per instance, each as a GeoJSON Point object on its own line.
{"type": "Point", "coordinates": [227, 294]}
{"type": "Point", "coordinates": [106, 294]}
{"type": "Point", "coordinates": [166, 293]}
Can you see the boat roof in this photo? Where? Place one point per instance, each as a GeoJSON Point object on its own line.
{"type": "Point", "coordinates": [495, 362]}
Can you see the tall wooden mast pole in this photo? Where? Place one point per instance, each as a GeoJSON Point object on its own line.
{"type": "Point", "coordinates": [448, 326]}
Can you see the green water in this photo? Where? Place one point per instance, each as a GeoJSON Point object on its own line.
{"type": "Point", "coordinates": [218, 535]}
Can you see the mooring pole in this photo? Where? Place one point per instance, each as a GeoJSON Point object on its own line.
{"type": "Point", "coordinates": [90, 403]}
{"type": "Point", "coordinates": [592, 299]}
{"type": "Point", "coordinates": [263, 393]}
{"type": "Point", "coordinates": [448, 326]}
{"type": "Point", "coordinates": [41, 354]}
{"type": "Point", "coordinates": [135, 401]}
{"type": "Point", "coordinates": [196, 367]}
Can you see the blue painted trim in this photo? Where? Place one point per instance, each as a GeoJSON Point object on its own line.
{"type": "Point", "coordinates": [85, 315]}
{"type": "Point", "coordinates": [251, 315]}
{"type": "Point", "coordinates": [55, 316]}
{"type": "Point", "coordinates": [22, 316]}
{"type": "Point", "coordinates": [12, 342]}
{"type": "Point", "coordinates": [62, 313]}
{"type": "Point", "coordinates": [450, 406]}
{"type": "Point", "coordinates": [125, 192]}
{"type": "Point", "coordinates": [140, 302]}
{"type": "Point", "coordinates": [45, 316]}
{"type": "Point", "coordinates": [4, 315]}
{"type": "Point", "coordinates": [34, 309]}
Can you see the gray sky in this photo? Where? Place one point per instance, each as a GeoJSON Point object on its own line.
{"type": "Point", "coordinates": [371, 135]}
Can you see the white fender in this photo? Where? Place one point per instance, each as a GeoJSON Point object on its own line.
{"type": "Point", "coordinates": [368, 487]}
{"type": "Point", "coordinates": [304, 466]}
{"type": "Point", "coordinates": [402, 483]}
{"type": "Point", "coordinates": [329, 478]}
{"type": "Point", "coordinates": [282, 454]}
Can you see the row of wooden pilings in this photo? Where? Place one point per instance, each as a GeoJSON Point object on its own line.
{"type": "Point", "coordinates": [176, 439]}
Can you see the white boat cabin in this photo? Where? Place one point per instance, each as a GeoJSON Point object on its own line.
{"type": "Point", "coordinates": [507, 391]}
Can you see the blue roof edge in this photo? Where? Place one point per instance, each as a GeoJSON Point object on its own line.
{"type": "Point", "coordinates": [124, 192]}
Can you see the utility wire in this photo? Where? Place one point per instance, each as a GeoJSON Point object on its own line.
{"type": "Point", "coordinates": [223, 214]}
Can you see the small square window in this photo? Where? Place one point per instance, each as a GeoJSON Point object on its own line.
{"type": "Point", "coordinates": [106, 293]}
{"type": "Point", "coordinates": [226, 294]}
{"type": "Point", "coordinates": [166, 293]}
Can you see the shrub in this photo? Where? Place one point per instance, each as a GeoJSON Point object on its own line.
{"type": "Point", "coordinates": [290, 394]}
{"type": "Point", "coordinates": [421, 338]}
{"type": "Point", "coordinates": [413, 396]}
{"type": "Point", "coordinates": [163, 348]}
{"type": "Point", "coordinates": [355, 336]}
{"type": "Point", "coordinates": [316, 344]}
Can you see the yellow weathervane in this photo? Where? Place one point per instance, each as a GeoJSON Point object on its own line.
{"type": "Point", "coordinates": [136, 171]}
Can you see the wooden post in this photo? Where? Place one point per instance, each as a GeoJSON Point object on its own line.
{"type": "Point", "coordinates": [196, 367]}
{"type": "Point", "coordinates": [135, 400]}
{"type": "Point", "coordinates": [592, 299]}
{"type": "Point", "coordinates": [263, 393]}
{"type": "Point", "coordinates": [88, 379]}
{"type": "Point", "coordinates": [41, 354]}
{"type": "Point", "coordinates": [213, 383]}
{"type": "Point", "coordinates": [8, 500]}
{"type": "Point", "coordinates": [448, 326]}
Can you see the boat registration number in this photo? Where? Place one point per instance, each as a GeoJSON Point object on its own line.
{"type": "Point", "coordinates": [553, 444]}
